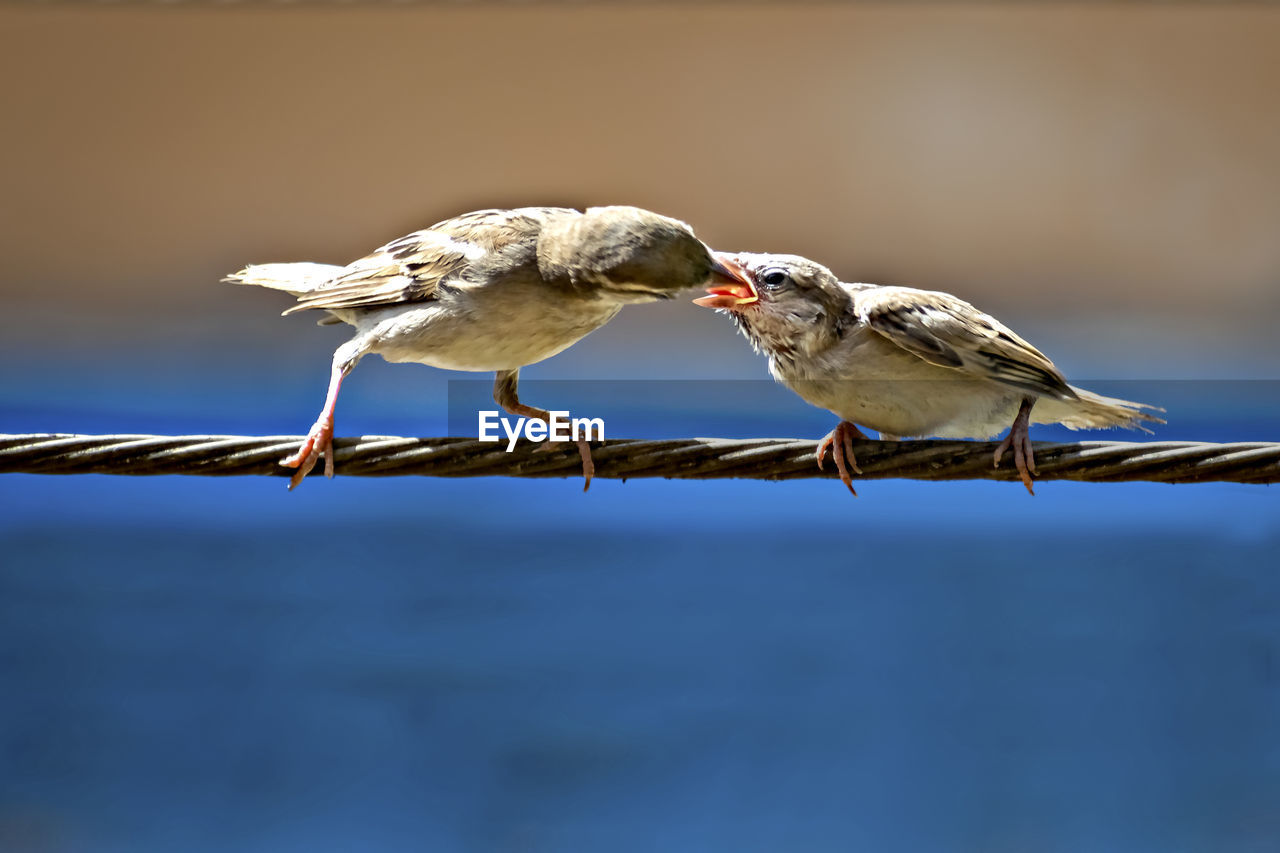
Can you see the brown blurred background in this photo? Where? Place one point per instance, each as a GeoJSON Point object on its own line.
{"type": "Point", "coordinates": [407, 663]}
{"type": "Point", "coordinates": [1104, 176]}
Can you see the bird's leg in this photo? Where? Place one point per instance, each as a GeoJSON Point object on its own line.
{"type": "Point", "coordinates": [840, 442]}
{"type": "Point", "coordinates": [504, 394]}
{"type": "Point", "coordinates": [1019, 439]}
{"type": "Point", "coordinates": [320, 438]}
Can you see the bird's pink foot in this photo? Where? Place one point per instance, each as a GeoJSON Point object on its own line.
{"type": "Point", "coordinates": [1019, 440]}
{"type": "Point", "coordinates": [319, 440]}
{"type": "Point", "coordinates": [504, 394]}
{"type": "Point", "coordinates": [584, 450]}
{"type": "Point", "coordinates": [588, 465]}
{"type": "Point", "coordinates": [840, 443]}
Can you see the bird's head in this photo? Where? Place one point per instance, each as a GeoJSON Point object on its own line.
{"type": "Point", "coordinates": [631, 255]}
{"type": "Point", "coordinates": [793, 303]}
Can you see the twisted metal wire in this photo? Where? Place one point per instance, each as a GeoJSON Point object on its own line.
{"type": "Point", "coordinates": [681, 458]}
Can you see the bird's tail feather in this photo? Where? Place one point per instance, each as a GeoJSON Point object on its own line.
{"type": "Point", "coordinates": [1094, 411]}
{"type": "Point", "coordinates": [296, 278]}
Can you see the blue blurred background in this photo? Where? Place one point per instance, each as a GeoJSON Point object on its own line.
{"type": "Point", "coordinates": [491, 664]}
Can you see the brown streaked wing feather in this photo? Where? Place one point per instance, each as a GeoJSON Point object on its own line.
{"type": "Point", "coordinates": [492, 229]}
{"type": "Point", "coordinates": [409, 268]}
{"type": "Point", "coordinates": [405, 270]}
{"type": "Point", "coordinates": [949, 332]}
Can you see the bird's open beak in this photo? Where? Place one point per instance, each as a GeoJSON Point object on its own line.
{"type": "Point", "coordinates": [731, 286]}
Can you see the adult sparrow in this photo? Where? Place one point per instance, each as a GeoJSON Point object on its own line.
{"type": "Point", "coordinates": [491, 290]}
{"type": "Point", "coordinates": [908, 363]}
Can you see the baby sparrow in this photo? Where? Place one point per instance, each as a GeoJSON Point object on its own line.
{"type": "Point", "coordinates": [491, 290]}
{"type": "Point", "coordinates": [909, 363]}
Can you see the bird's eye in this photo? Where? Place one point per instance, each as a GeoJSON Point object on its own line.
{"type": "Point", "coordinates": [775, 279]}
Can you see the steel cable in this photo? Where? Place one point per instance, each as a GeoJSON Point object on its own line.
{"type": "Point", "coordinates": [683, 458]}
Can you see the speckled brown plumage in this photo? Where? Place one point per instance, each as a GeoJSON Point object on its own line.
{"type": "Point", "coordinates": [491, 290]}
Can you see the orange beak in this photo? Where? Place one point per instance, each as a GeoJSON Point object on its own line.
{"type": "Point", "coordinates": [732, 287]}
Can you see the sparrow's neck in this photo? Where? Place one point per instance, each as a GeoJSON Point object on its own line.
{"type": "Point", "coordinates": [616, 254]}
{"type": "Point", "coordinates": [790, 339]}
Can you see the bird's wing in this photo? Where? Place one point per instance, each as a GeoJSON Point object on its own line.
{"type": "Point", "coordinates": [411, 268]}
{"type": "Point", "coordinates": [949, 332]}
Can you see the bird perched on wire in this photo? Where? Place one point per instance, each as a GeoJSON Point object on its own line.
{"type": "Point", "coordinates": [491, 290]}
{"type": "Point", "coordinates": [908, 363]}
